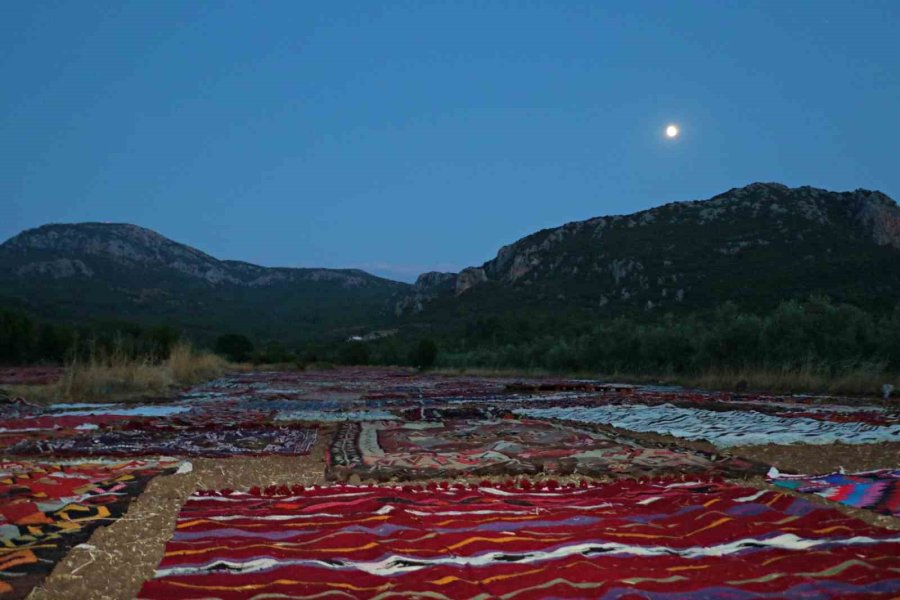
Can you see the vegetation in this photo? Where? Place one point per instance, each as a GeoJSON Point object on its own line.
{"type": "Point", "coordinates": [817, 333]}
{"type": "Point", "coordinates": [815, 345]}
{"type": "Point", "coordinates": [424, 355]}
{"type": "Point", "coordinates": [24, 340]}
{"type": "Point", "coordinates": [808, 345]}
{"type": "Point", "coordinates": [235, 347]}
{"type": "Point", "coordinates": [117, 376]}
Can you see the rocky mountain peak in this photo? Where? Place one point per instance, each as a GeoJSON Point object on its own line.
{"type": "Point", "coordinates": [660, 255]}
{"type": "Point", "coordinates": [60, 251]}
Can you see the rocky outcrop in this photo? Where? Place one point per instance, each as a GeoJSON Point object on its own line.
{"type": "Point", "coordinates": [879, 214]}
{"type": "Point", "coordinates": [48, 251]}
{"type": "Point", "coordinates": [469, 278]}
{"type": "Point", "coordinates": [427, 287]}
{"type": "Point", "coordinates": [659, 257]}
{"type": "Point", "coordinates": [57, 269]}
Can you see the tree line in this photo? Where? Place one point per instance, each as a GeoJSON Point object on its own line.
{"type": "Point", "coordinates": [26, 340]}
{"type": "Point", "coordinates": [817, 333]}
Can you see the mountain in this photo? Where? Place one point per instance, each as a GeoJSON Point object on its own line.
{"type": "Point", "coordinates": [756, 246]}
{"type": "Point", "coordinates": [90, 271]}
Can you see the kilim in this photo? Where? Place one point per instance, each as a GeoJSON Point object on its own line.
{"type": "Point", "coordinates": [47, 508]}
{"type": "Point", "coordinates": [724, 429]}
{"type": "Point", "coordinates": [874, 490]}
{"type": "Point", "coordinates": [207, 441]}
{"type": "Point", "coordinates": [628, 539]}
{"type": "Point", "coordinates": [390, 449]}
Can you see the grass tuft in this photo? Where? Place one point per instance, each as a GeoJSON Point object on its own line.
{"type": "Point", "coordinates": [119, 377]}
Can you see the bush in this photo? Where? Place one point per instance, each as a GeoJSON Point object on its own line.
{"type": "Point", "coordinates": [234, 347]}
{"type": "Point", "coordinates": [354, 353]}
{"type": "Point", "coordinates": [424, 355]}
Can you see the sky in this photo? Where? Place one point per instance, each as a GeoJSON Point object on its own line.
{"type": "Point", "coordinates": [402, 137]}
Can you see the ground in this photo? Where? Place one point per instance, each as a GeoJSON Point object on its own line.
{"type": "Point", "coordinates": [120, 557]}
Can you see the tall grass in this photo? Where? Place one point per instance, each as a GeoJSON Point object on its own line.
{"type": "Point", "coordinates": [860, 381]}
{"type": "Point", "coordinates": [117, 375]}
{"type": "Point", "coordinates": [187, 366]}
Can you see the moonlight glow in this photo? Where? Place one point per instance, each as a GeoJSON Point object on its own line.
{"type": "Point", "coordinates": [671, 131]}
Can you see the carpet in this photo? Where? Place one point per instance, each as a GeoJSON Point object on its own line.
{"type": "Point", "coordinates": [724, 429]}
{"type": "Point", "coordinates": [874, 490]}
{"type": "Point", "coordinates": [408, 450]}
{"type": "Point", "coordinates": [154, 440]}
{"type": "Point", "coordinates": [47, 508]}
{"type": "Point", "coordinates": [628, 539]}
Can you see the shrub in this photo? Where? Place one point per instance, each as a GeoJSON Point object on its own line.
{"type": "Point", "coordinates": [234, 347]}
{"type": "Point", "coordinates": [424, 354]}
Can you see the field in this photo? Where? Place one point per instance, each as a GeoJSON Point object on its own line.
{"type": "Point", "coordinates": [383, 483]}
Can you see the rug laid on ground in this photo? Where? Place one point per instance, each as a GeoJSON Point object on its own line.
{"type": "Point", "coordinates": [254, 441]}
{"type": "Point", "coordinates": [662, 539]}
{"type": "Point", "coordinates": [47, 508]}
{"type": "Point", "coordinates": [724, 429]}
{"type": "Point", "coordinates": [873, 490]}
{"type": "Point", "coordinates": [407, 450]}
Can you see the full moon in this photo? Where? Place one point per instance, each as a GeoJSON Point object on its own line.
{"type": "Point", "coordinates": [671, 131]}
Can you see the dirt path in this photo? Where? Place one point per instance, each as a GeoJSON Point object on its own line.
{"type": "Point", "coordinates": [119, 558]}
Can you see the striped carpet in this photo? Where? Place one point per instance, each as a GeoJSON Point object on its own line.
{"type": "Point", "coordinates": [628, 539]}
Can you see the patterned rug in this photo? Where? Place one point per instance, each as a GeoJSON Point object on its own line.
{"type": "Point", "coordinates": [661, 540]}
{"type": "Point", "coordinates": [724, 429]}
{"type": "Point", "coordinates": [46, 509]}
{"type": "Point", "coordinates": [408, 450]}
{"type": "Point", "coordinates": [255, 441]}
{"type": "Point", "coordinates": [874, 490]}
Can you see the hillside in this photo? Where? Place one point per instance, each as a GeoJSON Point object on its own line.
{"type": "Point", "coordinates": [755, 246]}
{"type": "Point", "coordinates": [96, 271]}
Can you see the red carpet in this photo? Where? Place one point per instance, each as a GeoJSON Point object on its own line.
{"type": "Point", "coordinates": [627, 539]}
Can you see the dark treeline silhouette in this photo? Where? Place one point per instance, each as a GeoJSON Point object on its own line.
{"type": "Point", "coordinates": [832, 338]}
{"type": "Point", "coordinates": [816, 334]}
{"type": "Point", "coordinates": [25, 340]}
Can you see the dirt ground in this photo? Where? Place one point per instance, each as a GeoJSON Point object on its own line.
{"type": "Point", "coordinates": [826, 458]}
{"type": "Point", "coordinates": [119, 558]}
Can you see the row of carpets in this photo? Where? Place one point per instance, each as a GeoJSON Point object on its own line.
{"type": "Point", "coordinates": [354, 541]}
{"type": "Point", "coordinates": [213, 427]}
{"type": "Point", "coordinates": [386, 450]}
{"type": "Point", "coordinates": [724, 429]}
{"type": "Point", "coordinates": [48, 508]}
{"type": "Point", "coordinates": [280, 408]}
{"type": "Point", "coordinates": [657, 539]}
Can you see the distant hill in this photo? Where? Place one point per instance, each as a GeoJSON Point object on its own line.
{"type": "Point", "coordinates": [96, 271]}
{"type": "Point", "coordinates": [756, 246]}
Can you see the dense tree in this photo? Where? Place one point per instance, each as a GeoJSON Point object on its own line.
{"type": "Point", "coordinates": [424, 354]}
{"type": "Point", "coordinates": [235, 347]}
{"type": "Point", "coordinates": [354, 353]}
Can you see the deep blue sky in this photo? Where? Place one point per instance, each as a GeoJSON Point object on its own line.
{"type": "Point", "coordinates": [403, 137]}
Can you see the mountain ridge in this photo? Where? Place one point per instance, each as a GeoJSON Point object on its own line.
{"type": "Point", "coordinates": [755, 245]}
{"type": "Point", "coordinates": [114, 271]}
{"type": "Point", "coordinates": [780, 215]}
{"type": "Point", "coordinates": [119, 240]}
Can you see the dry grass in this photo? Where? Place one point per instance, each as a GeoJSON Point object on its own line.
{"type": "Point", "coordinates": [247, 367]}
{"type": "Point", "coordinates": [186, 366]}
{"type": "Point", "coordinates": [859, 382]}
{"type": "Point", "coordinates": [118, 377]}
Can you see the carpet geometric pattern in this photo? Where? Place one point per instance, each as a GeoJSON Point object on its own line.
{"type": "Point", "coordinates": [46, 509]}
{"type": "Point", "coordinates": [629, 539]}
